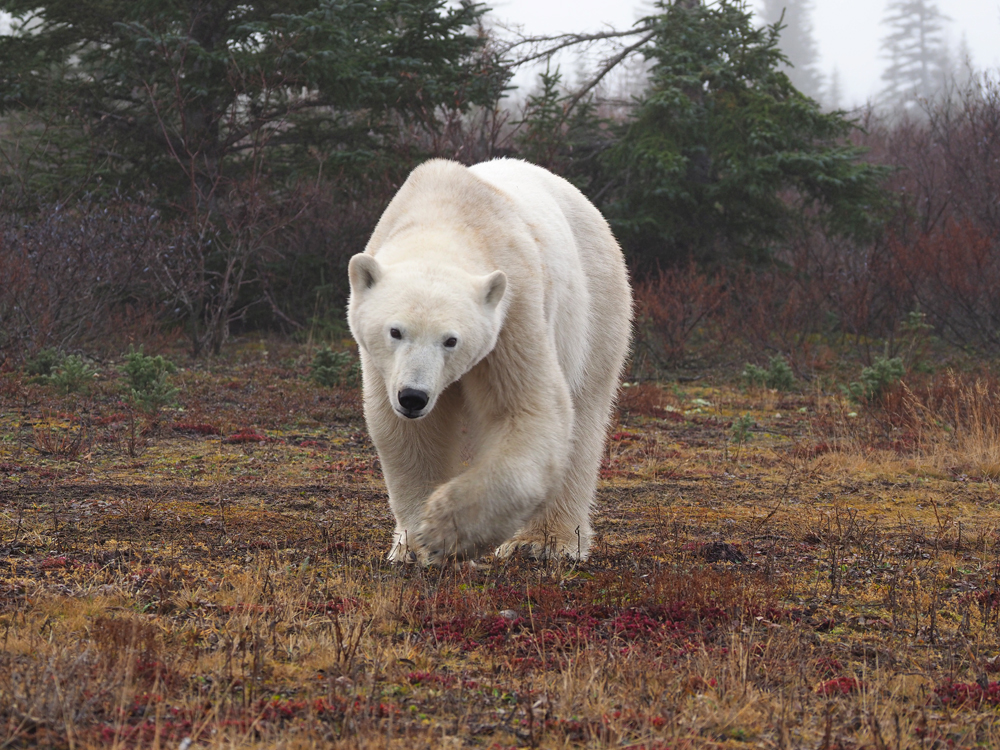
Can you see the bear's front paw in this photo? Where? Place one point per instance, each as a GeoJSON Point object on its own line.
{"type": "Point", "coordinates": [441, 536]}
{"type": "Point", "coordinates": [437, 543]}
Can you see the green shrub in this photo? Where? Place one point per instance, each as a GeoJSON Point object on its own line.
{"type": "Point", "coordinates": [72, 375]}
{"type": "Point", "coordinates": [876, 380]}
{"type": "Point", "coordinates": [755, 377]}
{"type": "Point", "coordinates": [777, 375]}
{"type": "Point", "coordinates": [780, 375]}
{"type": "Point", "coordinates": [67, 374]}
{"type": "Point", "coordinates": [916, 335]}
{"type": "Point", "coordinates": [42, 365]}
{"type": "Point", "coordinates": [739, 433]}
{"type": "Point", "coordinates": [148, 386]}
{"type": "Point", "coordinates": [330, 368]}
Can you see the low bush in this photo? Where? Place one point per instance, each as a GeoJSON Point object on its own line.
{"type": "Point", "coordinates": [43, 364]}
{"type": "Point", "coordinates": [148, 386]}
{"type": "Point", "coordinates": [739, 432]}
{"type": "Point", "coordinates": [72, 375]}
{"type": "Point", "coordinates": [331, 369]}
{"type": "Point", "coordinates": [67, 374]}
{"type": "Point", "coordinates": [877, 380]}
{"type": "Point", "coordinates": [675, 309]}
{"type": "Point", "coordinates": [777, 375]}
{"type": "Point", "coordinates": [75, 276]}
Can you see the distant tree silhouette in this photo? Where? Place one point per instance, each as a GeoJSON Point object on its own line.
{"type": "Point", "coordinates": [798, 43]}
{"type": "Point", "coordinates": [963, 69]}
{"type": "Point", "coordinates": [834, 97]}
{"type": "Point", "coordinates": [917, 52]}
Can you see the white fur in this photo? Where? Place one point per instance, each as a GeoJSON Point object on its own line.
{"type": "Point", "coordinates": [513, 311]}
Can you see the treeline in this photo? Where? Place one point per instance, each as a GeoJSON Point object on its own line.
{"type": "Point", "coordinates": [209, 167]}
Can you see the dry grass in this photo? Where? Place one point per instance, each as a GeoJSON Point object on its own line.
{"type": "Point", "coordinates": [948, 427]}
{"type": "Point", "coordinates": [964, 415]}
{"type": "Point", "coordinates": [831, 582]}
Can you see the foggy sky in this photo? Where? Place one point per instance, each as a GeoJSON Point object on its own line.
{"type": "Point", "coordinates": [847, 32]}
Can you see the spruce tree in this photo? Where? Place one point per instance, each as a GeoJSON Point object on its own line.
{"type": "Point", "coordinates": [723, 158]}
{"type": "Point", "coordinates": [916, 50]}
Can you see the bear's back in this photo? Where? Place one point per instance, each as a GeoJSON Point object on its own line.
{"type": "Point", "coordinates": [587, 298]}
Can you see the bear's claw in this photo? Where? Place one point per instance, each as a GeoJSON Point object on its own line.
{"type": "Point", "coordinates": [402, 554]}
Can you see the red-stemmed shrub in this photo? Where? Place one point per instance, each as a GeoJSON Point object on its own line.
{"type": "Point", "coordinates": [671, 307]}
{"type": "Point", "coordinates": [78, 276]}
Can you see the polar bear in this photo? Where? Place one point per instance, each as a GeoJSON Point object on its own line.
{"type": "Point", "coordinates": [493, 313]}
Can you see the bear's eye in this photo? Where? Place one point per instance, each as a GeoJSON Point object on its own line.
{"type": "Point", "coordinates": [450, 343]}
{"type": "Point", "coordinates": [394, 332]}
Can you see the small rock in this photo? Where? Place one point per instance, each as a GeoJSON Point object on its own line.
{"type": "Point", "coordinates": [508, 614]}
{"type": "Point", "coordinates": [722, 552]}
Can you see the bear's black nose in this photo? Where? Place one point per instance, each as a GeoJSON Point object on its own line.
{"type": "Point", "coordinates": [412, 400]}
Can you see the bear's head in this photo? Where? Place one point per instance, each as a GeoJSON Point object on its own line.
{"type": "Point", "coordinates": [422, 326]}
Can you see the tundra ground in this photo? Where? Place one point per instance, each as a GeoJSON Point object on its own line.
{"type": "Point", "coordinates": [771, 570]}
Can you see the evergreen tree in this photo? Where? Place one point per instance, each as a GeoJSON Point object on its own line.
{"type": "Point", "coordinates": [723, 157]}
{"type": "Point", "coordinates": [797, 43]}
{"type": "Point", "coordinates": [185, 93]}
{"type": "Point", "coordinates": [917, 52]}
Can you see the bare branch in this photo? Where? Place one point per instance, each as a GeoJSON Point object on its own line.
{"type": "Point", "coordinates": [554, 44]}
{"type": "Point", "coordinates": [608, 66]}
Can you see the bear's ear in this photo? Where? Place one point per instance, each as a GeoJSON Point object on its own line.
{"type": "Point", "coordinates": [364, 272]}
{"type": "Point", "coordinates": [494, 287]}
